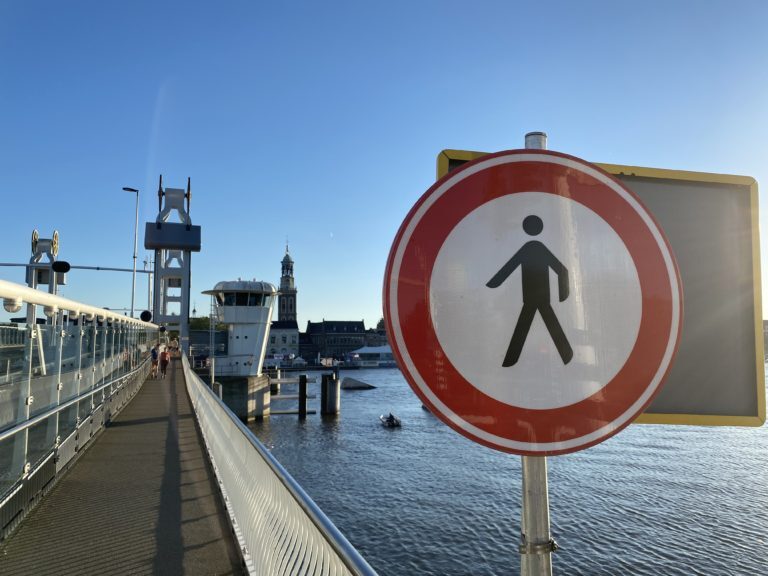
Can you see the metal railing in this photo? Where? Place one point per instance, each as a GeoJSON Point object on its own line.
{"type": "Point", "coordinates": [279, 528]}
{"type": "Point", "coordinates": [61, 378]}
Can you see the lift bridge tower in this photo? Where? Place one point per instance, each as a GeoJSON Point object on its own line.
{"type": "Point", "coordinates": [173, 243]}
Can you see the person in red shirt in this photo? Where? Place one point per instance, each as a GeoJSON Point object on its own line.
{"type": "Point", "coordinates": [165, 357]}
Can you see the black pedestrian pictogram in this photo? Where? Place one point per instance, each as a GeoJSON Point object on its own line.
{"type": "Point", "coordinates": [535, 260]}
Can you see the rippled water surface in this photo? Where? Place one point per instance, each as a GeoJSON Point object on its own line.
{"type": "Point", "coordinates": [421, 499]}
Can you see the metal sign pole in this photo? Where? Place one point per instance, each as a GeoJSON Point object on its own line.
{"type": "Point", "coordinates": [536, 544]}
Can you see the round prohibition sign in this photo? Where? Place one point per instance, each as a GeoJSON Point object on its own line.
{"type": "Point", "coordinates": [533, 303]}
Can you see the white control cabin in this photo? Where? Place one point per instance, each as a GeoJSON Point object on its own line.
{"type": "Point", "coordinates": [245, 306]}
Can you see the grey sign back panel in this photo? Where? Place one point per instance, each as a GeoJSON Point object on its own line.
{"type": "Point", "coordinates": [710, 228]}
{"type": "Point", "coordinates": [711, 222]}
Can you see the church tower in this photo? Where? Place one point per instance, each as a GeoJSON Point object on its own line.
{"type": "Point", "coordinates": [287, 299]}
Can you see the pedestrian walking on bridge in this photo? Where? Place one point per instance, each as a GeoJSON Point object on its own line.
{"type": "Point", "coordinates": [165, 357]}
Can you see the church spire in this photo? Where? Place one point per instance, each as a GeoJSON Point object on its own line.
{"type": "Point", "coordinates": [287, 299]}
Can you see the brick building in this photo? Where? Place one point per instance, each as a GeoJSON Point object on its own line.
{"type": "Point", "coordinates": [331, 339]}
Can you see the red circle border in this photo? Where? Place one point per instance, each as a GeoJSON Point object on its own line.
{"type": "Point", "coordinates": [528, 426]}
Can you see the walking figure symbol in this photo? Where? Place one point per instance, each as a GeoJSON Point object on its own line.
{"type": "Point", "coordinates": [535, 260]}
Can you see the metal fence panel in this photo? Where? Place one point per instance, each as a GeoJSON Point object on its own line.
{"type": "Point", "coordinates": [280, 528]}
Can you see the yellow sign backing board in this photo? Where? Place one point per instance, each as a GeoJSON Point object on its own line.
{"type": "Point", "coordinates": [711, 221]}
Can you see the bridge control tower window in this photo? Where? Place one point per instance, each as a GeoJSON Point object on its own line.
{"type": "Point", "coordinates": [250, 299]}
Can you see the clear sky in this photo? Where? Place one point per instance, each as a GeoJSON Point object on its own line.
{"type": "Point", "coordinates": [320, 122]}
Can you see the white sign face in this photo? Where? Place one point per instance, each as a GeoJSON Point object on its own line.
{"type": "Point", "coordinates": [474, 323]}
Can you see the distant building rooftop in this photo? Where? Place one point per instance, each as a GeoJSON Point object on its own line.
{"type": "Point", "coordinates": [386, 349]}
{"type": "Point", "coordinates": [336, 326]}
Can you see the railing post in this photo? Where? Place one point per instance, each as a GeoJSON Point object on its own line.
{"type": "Point", "coordinates": [20, 446]}
{"type": "Point", "coordinates": [80, 334]}
{"type": "Point", "coordinates": [119, 353]}
{"type": "Point", "coordinates": [59, 385]}
{"type": "Point", "coordinates": [112, 371]}
{"type": "Point", "coordinates": [103, 379]}
{"type": "Point", "coordinates": [134, 351]}
{"type": "Point", "coordinates": [108, 365]}
{"type": "Point", "coordinates": [95, 327]}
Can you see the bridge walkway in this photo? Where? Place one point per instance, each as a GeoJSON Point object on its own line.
{"type": "Point", "coordinates": [141, 500]}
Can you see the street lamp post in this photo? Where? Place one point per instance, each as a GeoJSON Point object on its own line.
{"type": "Point", "coordinates": [135, 245]}
{"type": "Point", "coordinates": [148, 263]}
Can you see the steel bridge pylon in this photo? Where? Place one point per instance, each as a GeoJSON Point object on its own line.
{"type": "Point", "coordinates": [173, 243]}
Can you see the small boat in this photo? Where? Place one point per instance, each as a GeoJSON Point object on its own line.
{"type": "Point", "coordinates": [390, 421]}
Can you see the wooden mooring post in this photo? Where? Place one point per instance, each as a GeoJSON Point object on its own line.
{"type": "Point", "coordinates": [302, 396]}
{"type": "Point", "coordinates": [330, 394]}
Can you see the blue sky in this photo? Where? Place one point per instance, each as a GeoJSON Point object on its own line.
{"type": "Point", "coordinates": [320, 122]}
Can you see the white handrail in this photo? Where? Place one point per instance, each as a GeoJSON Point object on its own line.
{"type": "Point", "coordinates": [12, 291]}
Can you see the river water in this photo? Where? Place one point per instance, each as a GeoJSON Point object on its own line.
{"type": "Point", "coordinates": [422, 499]}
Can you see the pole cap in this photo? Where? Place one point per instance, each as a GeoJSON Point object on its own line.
{"type": "Point", "coordinates": [536, 140]}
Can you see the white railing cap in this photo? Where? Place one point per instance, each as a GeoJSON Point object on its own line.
{"type": "Point", "coordinates": [32, 296]}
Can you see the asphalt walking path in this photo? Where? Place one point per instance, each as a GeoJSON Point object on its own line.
{"type": "Point", "coordinates": [141, 500]}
